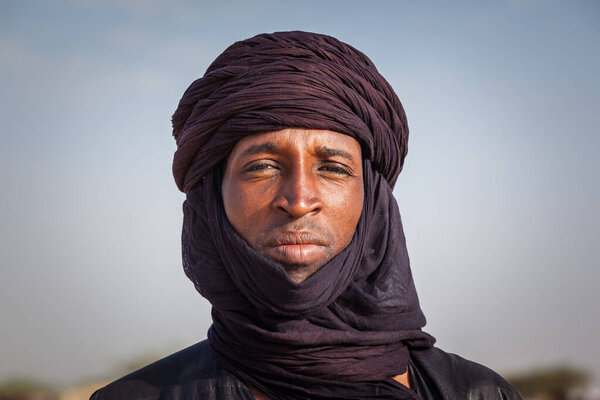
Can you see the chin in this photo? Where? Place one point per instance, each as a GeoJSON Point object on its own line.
{"type": "Point", "coordinates": [298, 273]}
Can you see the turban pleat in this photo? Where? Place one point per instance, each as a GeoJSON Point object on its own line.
{"type": "Point", "coordinates": [342, 333]}
{"type": "Point", "coordinates": [349, 327]}
{"type": "Point", "coordinates": [288, 79]}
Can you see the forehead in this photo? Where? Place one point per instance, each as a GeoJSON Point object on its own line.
{"type": "Point", "coordinates": [309, 141]}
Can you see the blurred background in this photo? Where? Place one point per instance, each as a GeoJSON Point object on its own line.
{"type": "Point", "coordinates": [499, 194]}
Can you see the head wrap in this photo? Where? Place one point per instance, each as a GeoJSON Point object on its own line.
{"type": "Point", "coordinates": [281, 80]}
{"type": "Point", "coordinates": [347, 329]}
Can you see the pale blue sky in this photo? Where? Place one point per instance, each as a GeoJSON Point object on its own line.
{"type": "Point", "coordinates": [499, 195]}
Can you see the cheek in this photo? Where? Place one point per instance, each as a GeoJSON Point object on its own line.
{"type": "Point", "coordinates": [348, 211]}
{"type": "Point", "coordinates": [234, 202]}
{"type": "Point", "coordinates": [356, 206]}
{"type": "Point", "coordinates": [242, 208]}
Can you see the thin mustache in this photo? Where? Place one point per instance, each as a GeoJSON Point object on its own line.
{"type": "Point", "coordinates": [291, 238]}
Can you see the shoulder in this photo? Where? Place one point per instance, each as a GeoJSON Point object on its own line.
{"type": "Point", "coordinates": [449, 376]}
{"type": "Point", "coordinates": [191, 373]}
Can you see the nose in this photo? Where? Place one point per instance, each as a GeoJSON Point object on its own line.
{"type": "Point", "coordinates": [297, 194]}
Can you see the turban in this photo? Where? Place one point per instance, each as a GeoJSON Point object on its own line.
{"type": "Point", "coordinates": [287, 79]}
{"type": "Point", "coordinates": [348, 328]}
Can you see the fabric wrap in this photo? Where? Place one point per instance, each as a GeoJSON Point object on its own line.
{"type": "Point", "coordinates": [346, 330]}
{"type": "Point", "coordinates": [287, 79]}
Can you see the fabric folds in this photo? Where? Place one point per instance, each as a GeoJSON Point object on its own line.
{"type": "Point", "coordinates": [287, 79]}
{"type": "Point", "coordinates": [346, 330]}
{"type": "Point", "coordinates": [342, 333]}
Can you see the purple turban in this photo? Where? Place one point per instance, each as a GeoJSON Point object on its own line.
{"type": "Point", "coordinates": [348, 328]}
{"type": "Point", "coordinates": [287, 80]}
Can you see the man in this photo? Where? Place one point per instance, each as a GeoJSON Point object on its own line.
{"type": "Point", "coordinates": [288, 150]}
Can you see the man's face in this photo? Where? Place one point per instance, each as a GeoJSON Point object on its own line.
{"type": "Point", "coordinates": [295, 195]}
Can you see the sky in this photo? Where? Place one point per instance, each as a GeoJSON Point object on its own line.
{"type": "Point", "coordinates": [499, 194]}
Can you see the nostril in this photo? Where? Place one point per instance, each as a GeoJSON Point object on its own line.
{"type": "Point", "coordinates": [280, 204]}
{"type": "Point", "coordinates": [297, 206]}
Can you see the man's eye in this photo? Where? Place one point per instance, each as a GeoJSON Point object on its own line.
{"type": "Point", "coordinates": [259, 167]}
{"type": "Point", "coordinates": [335, 169]}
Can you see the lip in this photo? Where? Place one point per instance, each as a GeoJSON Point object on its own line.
{"type": "Point", "coordinates": [295, 247]}
{"type": "Point", "coordinates": [294, 238]}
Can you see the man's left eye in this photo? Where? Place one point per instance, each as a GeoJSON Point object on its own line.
{"type": "Point", "coordinates": [335, 169]}
{"type": "Point", "coordinates": [260, 166]}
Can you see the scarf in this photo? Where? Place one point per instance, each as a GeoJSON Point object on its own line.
{"type": "Point", "coordinates": [347, 329]}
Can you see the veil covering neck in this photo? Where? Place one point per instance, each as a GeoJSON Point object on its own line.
{"type": "Point", "coordinates": [347, 329]}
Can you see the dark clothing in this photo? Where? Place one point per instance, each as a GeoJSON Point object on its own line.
{"type": "Point", "coordinates": [356, 321]}
{"type": "Point", "coordinates": [287, 80]}
{"type": "Point", "coordinates": [340, 333]}
{"type": "Point", "coordinates": [194, 374]}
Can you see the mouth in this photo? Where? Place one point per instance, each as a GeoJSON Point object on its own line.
{"type": "Point", "coordinates": [295, 248]}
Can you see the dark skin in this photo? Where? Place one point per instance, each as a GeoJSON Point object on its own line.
{"type": "Point", "coordinates": [295, 196]}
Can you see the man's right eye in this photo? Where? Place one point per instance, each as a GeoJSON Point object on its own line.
{"type": "Point", "coordinates": [259, 167]}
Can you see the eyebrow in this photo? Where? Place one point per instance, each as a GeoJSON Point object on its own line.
{"type": "Point", "coordinates": [329, 152]}
{"type": "Point", "coordinates": [270, 147]}
{"type": "Point", "coordinates": [267, 147]}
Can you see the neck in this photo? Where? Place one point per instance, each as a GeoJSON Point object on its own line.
{"type": "Point", "coordinates": [403, 379]}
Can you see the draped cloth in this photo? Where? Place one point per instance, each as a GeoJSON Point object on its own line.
{"type": "Point", "coordinates": [348, 328]}
{"type": "Point", "coordinates": [281, 80]}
